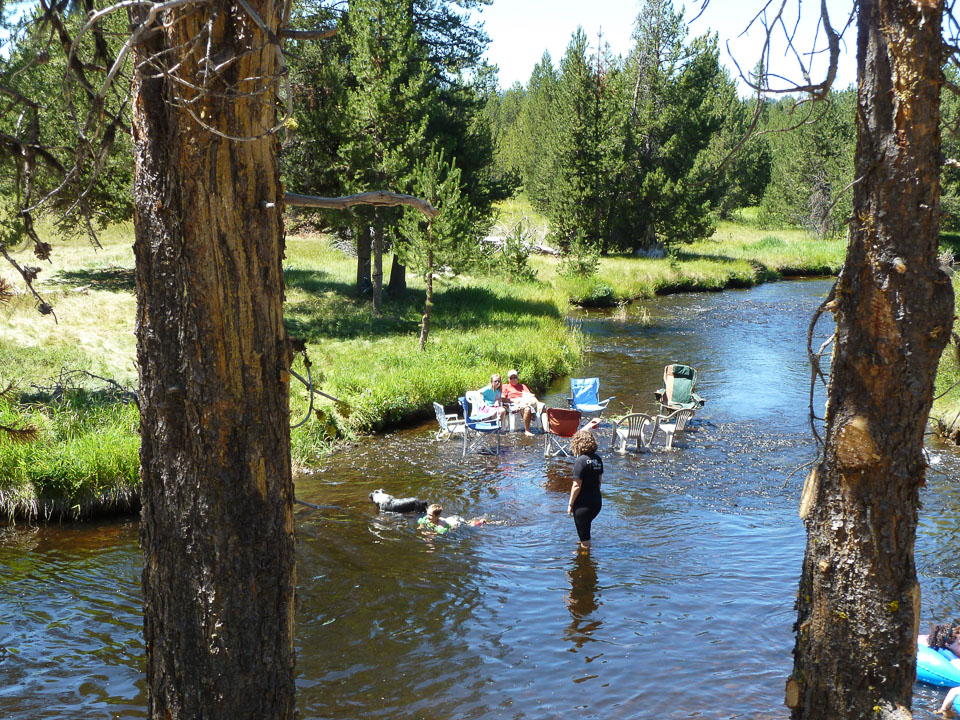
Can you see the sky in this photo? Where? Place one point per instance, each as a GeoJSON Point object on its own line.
{"type": "Point", "coordinates": [521, 30]}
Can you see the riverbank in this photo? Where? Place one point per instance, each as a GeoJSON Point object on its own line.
{"type": "Point", "coordinates": [85, 456]}
{"type": "Point", "coordinates": [945, 413]}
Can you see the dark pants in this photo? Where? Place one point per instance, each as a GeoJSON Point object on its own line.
{"type": "Point", "coordinates": [583, 516]}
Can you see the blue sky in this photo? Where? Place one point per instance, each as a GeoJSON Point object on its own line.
{"type": "Point", "coordinates": [520, 31]}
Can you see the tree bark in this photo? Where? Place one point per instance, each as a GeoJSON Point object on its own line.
{"type": "Point", "coordinates": [364, 284]}
{"type": "Point", "coordinates": [859, 601]}
{"type": "Point", "coordinates": [398, 278]}
{"type": "Point", "coordinates": [217, 521]}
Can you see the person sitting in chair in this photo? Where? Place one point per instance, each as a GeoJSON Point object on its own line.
{"type": "Point", "coordinates": [493, 399]}
{"type": "Point", "coordinates": [520, 397]}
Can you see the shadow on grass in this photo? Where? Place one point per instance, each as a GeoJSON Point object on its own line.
{"type": "Point", "coordinates": [114, 279]}
{"type": "Point", "coordinates": [335, 312]}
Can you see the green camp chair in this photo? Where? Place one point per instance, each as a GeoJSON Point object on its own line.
{"type": "Point", "coordinates": [677, 391]}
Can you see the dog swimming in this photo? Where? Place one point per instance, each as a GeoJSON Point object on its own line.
{"type": "Point", "coordinates": [388, 503]}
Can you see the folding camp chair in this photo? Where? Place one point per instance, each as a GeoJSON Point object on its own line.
{"type": "Point", "coordinates": [634, 427]}
{"type": "Point", "coordinates": [479, 407]}
{"type": "Point", "coordinates": [561, 425]}
{"type": "Point", "coordinates": [585, 396]}
{"type": "Point", "coordinates": [671, 425]}
{"type": "Point", "coordinates": [478, 432]}
{"type": "Point", "coordinates": [450, 423]}
{"type": "Point", "coordinates": [677, 391]}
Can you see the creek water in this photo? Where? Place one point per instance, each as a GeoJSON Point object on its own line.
{"type": "Point", "coordinates": [682, 609]}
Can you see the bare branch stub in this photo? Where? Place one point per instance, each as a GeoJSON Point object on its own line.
{"type": "Point", "coordinates": [378, 198]}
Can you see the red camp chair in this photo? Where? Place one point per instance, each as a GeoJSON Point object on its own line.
{"type": "Point", "coordinates": [561, 425]}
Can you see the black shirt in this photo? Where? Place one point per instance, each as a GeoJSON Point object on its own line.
{"type": "Point", "coordinates": [588, 469]}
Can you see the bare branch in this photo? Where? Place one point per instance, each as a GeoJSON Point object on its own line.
{"type": "Point", "coordinates": [28, 275]}
{"type": "Point", "coordinates": [378, 198]}
{"type": "Point", "coordinates": [308, 34]}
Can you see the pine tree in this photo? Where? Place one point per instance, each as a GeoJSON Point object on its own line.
{"type": "Point", "coordinates": [583, 151]}
{"type": "Point", "coordinates": [387, 110]}
{"type": "Point", "coordinates": [441, 240]}
{"type": "Point", "coordinates": [812, 163]}
{"type": "Point", "coordinates": [677, 107]}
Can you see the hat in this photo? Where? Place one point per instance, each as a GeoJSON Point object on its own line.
{"type": "Point", "coordinates": [512, 373]}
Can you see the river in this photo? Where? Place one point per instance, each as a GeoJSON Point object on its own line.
{"type": "Point", "coordinates": [682, 609]}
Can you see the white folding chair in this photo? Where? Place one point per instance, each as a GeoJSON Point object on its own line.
{"type": "Point", "coordinates": [634, 427]}
{"type": "Point", "coordinates": [450, 423]}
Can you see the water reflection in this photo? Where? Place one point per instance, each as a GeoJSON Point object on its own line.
{"type": "Point", "coordinates": [583, 600]}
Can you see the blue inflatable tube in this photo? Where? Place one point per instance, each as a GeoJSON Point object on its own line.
{"type": "Point", "coordinates": [934, 668]}
{"type": "Point", "coordinates": [938, 667]}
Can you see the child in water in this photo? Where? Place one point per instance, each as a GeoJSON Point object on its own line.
{"type": "Point", "coordinates": [433, 523]}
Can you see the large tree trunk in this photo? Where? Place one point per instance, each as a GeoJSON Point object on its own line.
{"type": "Point", "coordinates": [859, 601]}
{"type": "Point", "coordinates": [217, 522]}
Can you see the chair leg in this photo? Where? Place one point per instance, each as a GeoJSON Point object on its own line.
{"type": "Point", "coordinates": [669, 445]}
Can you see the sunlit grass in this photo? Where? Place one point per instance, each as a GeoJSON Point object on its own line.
{"type": "Point", "coordinates": [946, 409]}
{"type": "Point", "coordinates": [83, 459]}
{"type": "Point", "coordinates": [738, 255]}
{"type": "Point", "coordinates": [372, 364]}
{"type": "Point", "coordinates": [92, 294]}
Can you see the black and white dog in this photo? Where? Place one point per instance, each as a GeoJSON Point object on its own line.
{"type": "Point", "coordinates": [388, 503]}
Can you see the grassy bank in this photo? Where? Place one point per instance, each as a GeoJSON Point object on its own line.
{"type": "Point", "coordinates": [85, 457]}
{"type": "Point", "coordinates": [738, 255]}
{"type": "Point", "coordinates": [946, 407]}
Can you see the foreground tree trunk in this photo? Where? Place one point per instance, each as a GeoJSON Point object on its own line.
{"type": "Point", "coordinates": [859, 601]}
{"type": "Point", "coordinates": [217, 522]}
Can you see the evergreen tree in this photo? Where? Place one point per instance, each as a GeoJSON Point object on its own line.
{"type": "Point", "coordinates": [441, 241]}
{"type": "Point", "coordinates": [812, 163]}
{"type": "Point", "coordinates": [532, 126]}
{"type": "Point", "coordinates": [391, 83]}
{"type": "Point", "coordinates": [583, 150]}
{"type": "Point", "coordinates": [677, 107]}
{"type": "Point", "coordinates": [387, 109]}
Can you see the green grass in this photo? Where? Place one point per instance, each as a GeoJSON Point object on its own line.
{"type": "Point", "coordinates": [480, 325]}
{"type": "Point", "coordinates": [84, 459]}
{"type": "Point", "coordinates": [946, 408]}
{"type": "Point", "coordinates": [738, 255]}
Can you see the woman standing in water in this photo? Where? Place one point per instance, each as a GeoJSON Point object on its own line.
{"type": "Point", "coordinates": [585, 498]}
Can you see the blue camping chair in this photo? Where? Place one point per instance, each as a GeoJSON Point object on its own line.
{"type": "Point", "coordinates": [478, 432]}
{"type": "Point", "coordinates": [585, 396]}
